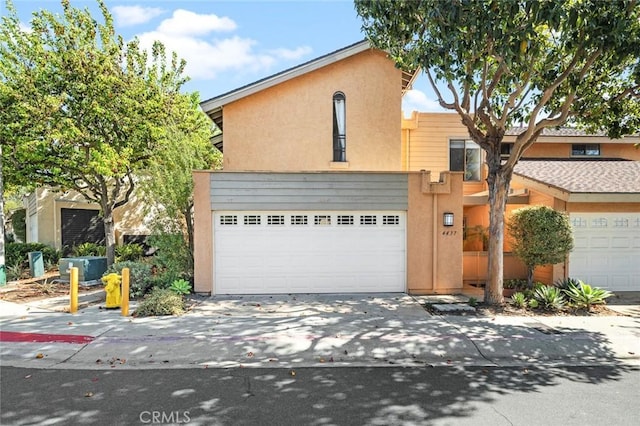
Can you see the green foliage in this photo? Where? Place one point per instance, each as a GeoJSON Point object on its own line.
{"type": "Point", "coordinates": [18, 253]}
{"type": "Point", "coordinates": [473, 302]}
{"type": "Point", "coordinates": [82, 109]}
{"type": "Point", "coordinates": [549, 297]}
{"type": "Point", "coordinates": [566, 283]}
{"type": "Point", "coordinates": [584, 296]}
{"type": "Point", "coordinates": [519, 300]}
{"type": "Point", "coordinates": [541, 236]}
{"type": "Point", "coordinates": [172, 257]}
{"type": "Point", "coordinates": [180, 287]}
{"type": "Point", "coordinates": [129, 252]}
{"type": "Point", "coordinates": [89, 249]}
{"type": "Point", "coordinates": [515, 283]}
{"type": "Point", "coordinates": [160, 302]}
{"type": "Point", "coordinates": [533, 303]}
{"type": "Point", "coordinates": [14, 271]}
{"type": "Point", "coordinates": [140, 280]}
{"type": "Point", "coordinates": [19, 224]}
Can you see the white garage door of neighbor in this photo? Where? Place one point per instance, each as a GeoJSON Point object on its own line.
{"type": "Point", "coordinates": [309, 252]}
{"type": "Point", "coordinates": [607, 250]}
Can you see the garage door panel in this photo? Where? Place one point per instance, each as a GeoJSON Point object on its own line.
{"type": "Point", "coordinates": [318, 252]}
{"type": "Point", "coordinates": [607, 250]}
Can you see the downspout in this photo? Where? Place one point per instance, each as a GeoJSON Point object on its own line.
{"type": "Point", "coordinates": [434, 260]}
{"type": "Point", "coordinates": [408, 150]}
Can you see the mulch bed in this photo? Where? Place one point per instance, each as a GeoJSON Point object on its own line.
{"type": "Point", "coordinates": [508, 309]}
{"type": "Point", "coordinates": [31, 289]}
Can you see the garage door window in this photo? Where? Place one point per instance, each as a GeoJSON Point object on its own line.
{"type": "Point", "coordinates": [367, 220]}
{"type": "Point", "coordinates": [252, 220]}
{"type": "Point", "coordinates": [299, 220]}
{"type": "Point", "coordinates": [275, 220]}
{"type": "Point", "coordinates": [345, 220]}
{"type": "Point", "coordinates": [228, 220]}
{"type": "Point", "coordinates": [322, 220]}
{"type": "Point", "coordinates": [391, 220]}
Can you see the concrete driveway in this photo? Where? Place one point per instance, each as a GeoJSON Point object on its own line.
{"type": "Point", "coordinates": [315, 330]}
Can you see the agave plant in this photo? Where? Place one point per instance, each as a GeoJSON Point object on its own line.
{"type": "Point", "coordinates": [180, 287]}
{"type": "Point", "coordinates": [549, 297]}
{"type": "Point", "coordinates": [519, 300]}
{"type": "Point", "coordinates": [584, 296]}
{"type": "Point", "coordinates": [566, 283]}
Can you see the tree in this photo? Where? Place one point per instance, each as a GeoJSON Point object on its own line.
{"type": "Point", "coordinates": [541, 63]}
{"type": "Point", "coordinates": [167, 184]}
{"type": "Point", "coordinates": [541, 236]}
{"type": "Point", "coordinates": [90, 108]}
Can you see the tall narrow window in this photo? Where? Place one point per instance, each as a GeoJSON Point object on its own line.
{"type": "Point", "coordinates": [339, 128]}
{"type": "Point", "coordinates": [464, 156]}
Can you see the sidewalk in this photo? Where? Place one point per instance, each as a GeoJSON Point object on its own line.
{"type": "Point", "coordinates": [308, 330]}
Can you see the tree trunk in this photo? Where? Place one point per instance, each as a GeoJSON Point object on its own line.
{"type": "Point", "coordinates": [530, 277]}
{"type": "Point", "coordinates": [498, 180]}
{"type": "Point", "coordinates": [3, 273]}
{"type": "Point", "coordinates": [109, 234]}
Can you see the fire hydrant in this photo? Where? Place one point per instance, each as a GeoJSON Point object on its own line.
{"type": "Point", "coordinates": [112, 288]}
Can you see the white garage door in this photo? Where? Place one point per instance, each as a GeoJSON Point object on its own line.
{"type": "Point", "coordinates": [309, 252]}
{"type": "Point", "coordinates": [607, 250]}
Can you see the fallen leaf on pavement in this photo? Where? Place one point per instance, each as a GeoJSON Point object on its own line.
{"type": "Point", "coordinates": [88, 394]}
{"type": "Point", "coordinates": [292, 372]}
{"type": "Point", "coordinates": [39, 356]}
{"type": "Point", "coordinates": [28, 376]}
{"type": "Point", "coordinates": [250, 354]}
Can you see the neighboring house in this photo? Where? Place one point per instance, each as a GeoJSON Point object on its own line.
{"type": "Point", "coordinates": [592, 177]}
{"type": "Point", "coordinates": [326, 188]}
{"type": "Point", "coordinates": [65, 219]}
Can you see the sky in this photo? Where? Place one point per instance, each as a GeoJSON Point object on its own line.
{"type": "Point", "coordinates": [230, 43]}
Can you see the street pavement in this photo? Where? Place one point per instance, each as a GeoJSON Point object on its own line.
{"type": "Point", "coordinates": [297, 331]}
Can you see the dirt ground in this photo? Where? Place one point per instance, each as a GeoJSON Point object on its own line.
{"type": "Point", "coordinates": [27, 290]}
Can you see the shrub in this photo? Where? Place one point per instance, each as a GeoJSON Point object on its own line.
{"type": "Point", "coordinates": [584, 296]}
{"type": "Point", "coordinates": [160, 301]}
{"type": "Point", "coordinates": [17, 253]}
{"type": "Point", "coordinates": [515, 283]}
{"type": "Point", "coordinates": [180, 287]}
{"type": "Point", "coordinates": [519, 300]}
{"type": "Point", "coordinates": [172, 256]}
{"type": "Point", "coordinates": [89, 249]}
{"type": "Point", "coordinates": [549, 297]}
{"type": "Point", "coordinates": [14, 272]}
{"type": "Point", "coordinates": [129, 252]}
{"type": "Point", "coordinates": [140, 280]}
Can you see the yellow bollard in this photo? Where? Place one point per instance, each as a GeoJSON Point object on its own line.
{"type": "Point", "coordinates": [125, 292]}
{"type": "Point", "coordinates": [73, 293]}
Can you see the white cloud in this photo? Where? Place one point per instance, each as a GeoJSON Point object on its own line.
{"type": "Point", "coordinates": [291, 54]}
{"type": "Point", "coordinates": [205, 60]}
{"type": "Point", "coordinates": [416, 100]}
{"type": "Point", "coordinates": [126, 16]}
{"type": "Point", "coordinates": [188, 34]}
{"type": "Point", "coordinates": [184, 22]}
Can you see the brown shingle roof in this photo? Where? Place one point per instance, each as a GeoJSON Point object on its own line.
{"type": "Point", "coordinates": [561, 131]}
{"type": "Point", "coordinates": [584, 176]}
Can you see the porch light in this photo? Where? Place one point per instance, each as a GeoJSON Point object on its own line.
{"type": "Point", "coordinates": [447, 219]}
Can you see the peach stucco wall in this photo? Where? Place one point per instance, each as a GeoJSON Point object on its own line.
{"type": "Point", "coordinates": [289, 127]}
{"type": "Point", "coordinates": [203, 237]}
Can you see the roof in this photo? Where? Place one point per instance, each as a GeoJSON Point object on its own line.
{"type": "Point", "coordinates": [556, 131]}
{"type": "Point", "coordinates": [213, 107]}
{"type": "Point", "coordinates": [597, 176]}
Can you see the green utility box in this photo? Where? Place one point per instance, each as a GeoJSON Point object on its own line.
{"type": "Point", "coordinates": [36, 264]}
{"type": "Point", "coordinates": [90, 268]}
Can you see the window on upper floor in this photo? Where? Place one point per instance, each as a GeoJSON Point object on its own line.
{"type": "Point", "coordinates": [339, 127]}
{"type": "Point", "coordinates": [585, 149]}
{"type": "Point", "coordinates": [464, 156]}
{"type": "Point", "coordinates": [505, 150]}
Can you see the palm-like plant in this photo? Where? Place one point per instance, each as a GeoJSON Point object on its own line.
{"type": "Point", "coordinates": [584, 296]}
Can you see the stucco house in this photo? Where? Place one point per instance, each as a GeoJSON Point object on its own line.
{"type": "Point", "coordinates": [326, 188]}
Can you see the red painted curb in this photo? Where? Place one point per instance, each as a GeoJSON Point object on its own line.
{"type": "Point", "coordinates": [14, 336]}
